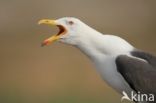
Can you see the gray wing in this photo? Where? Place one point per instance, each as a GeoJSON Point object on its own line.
{"type": "Point", "coordinates": [140, 75]}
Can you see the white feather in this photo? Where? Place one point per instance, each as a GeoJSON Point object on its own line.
{"type": "Point", "coordinates": [101, 49]}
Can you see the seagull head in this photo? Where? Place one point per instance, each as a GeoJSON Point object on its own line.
{"type": "Point", "coordinates": [74, 32]}
{"type": "Point", "coordinates": [69, 30]}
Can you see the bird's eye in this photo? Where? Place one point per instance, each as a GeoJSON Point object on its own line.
{"type": "Point", "coordinates": [71, 22]}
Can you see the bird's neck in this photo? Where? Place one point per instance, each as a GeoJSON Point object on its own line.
{"type": "Point", "coordinates": [96, 45]}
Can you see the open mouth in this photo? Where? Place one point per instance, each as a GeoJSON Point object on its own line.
{"type": "Point", "coordinates": [62, 30]}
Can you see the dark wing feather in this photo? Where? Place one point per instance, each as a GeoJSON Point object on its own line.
{"type": "Point", "coordinates": [146, 56]}
{"type": "Point", "coordinates": [140, 75]}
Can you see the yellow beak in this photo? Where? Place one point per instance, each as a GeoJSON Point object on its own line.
{"type": "Point", "coordinates": [52, 38]}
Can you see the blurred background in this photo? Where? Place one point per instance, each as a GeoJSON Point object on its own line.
{"type": "Point", "coordinates": [60, 73]}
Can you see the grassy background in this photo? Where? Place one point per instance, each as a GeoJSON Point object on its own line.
{"type": "Point", "coordinates": [60, 73]}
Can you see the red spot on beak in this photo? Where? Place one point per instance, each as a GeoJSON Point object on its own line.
{"type": "Point", "coordinates": [46, 42]}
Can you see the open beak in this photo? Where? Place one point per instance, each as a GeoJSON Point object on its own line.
{"type": "Point", "coordinates": [55, 37]}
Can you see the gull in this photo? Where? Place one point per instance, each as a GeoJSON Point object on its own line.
{"type": "Point", "coordinates": [121, 65]}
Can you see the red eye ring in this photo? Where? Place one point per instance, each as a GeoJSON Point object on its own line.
{"type": "Point", "coordinates": [71, 22]}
